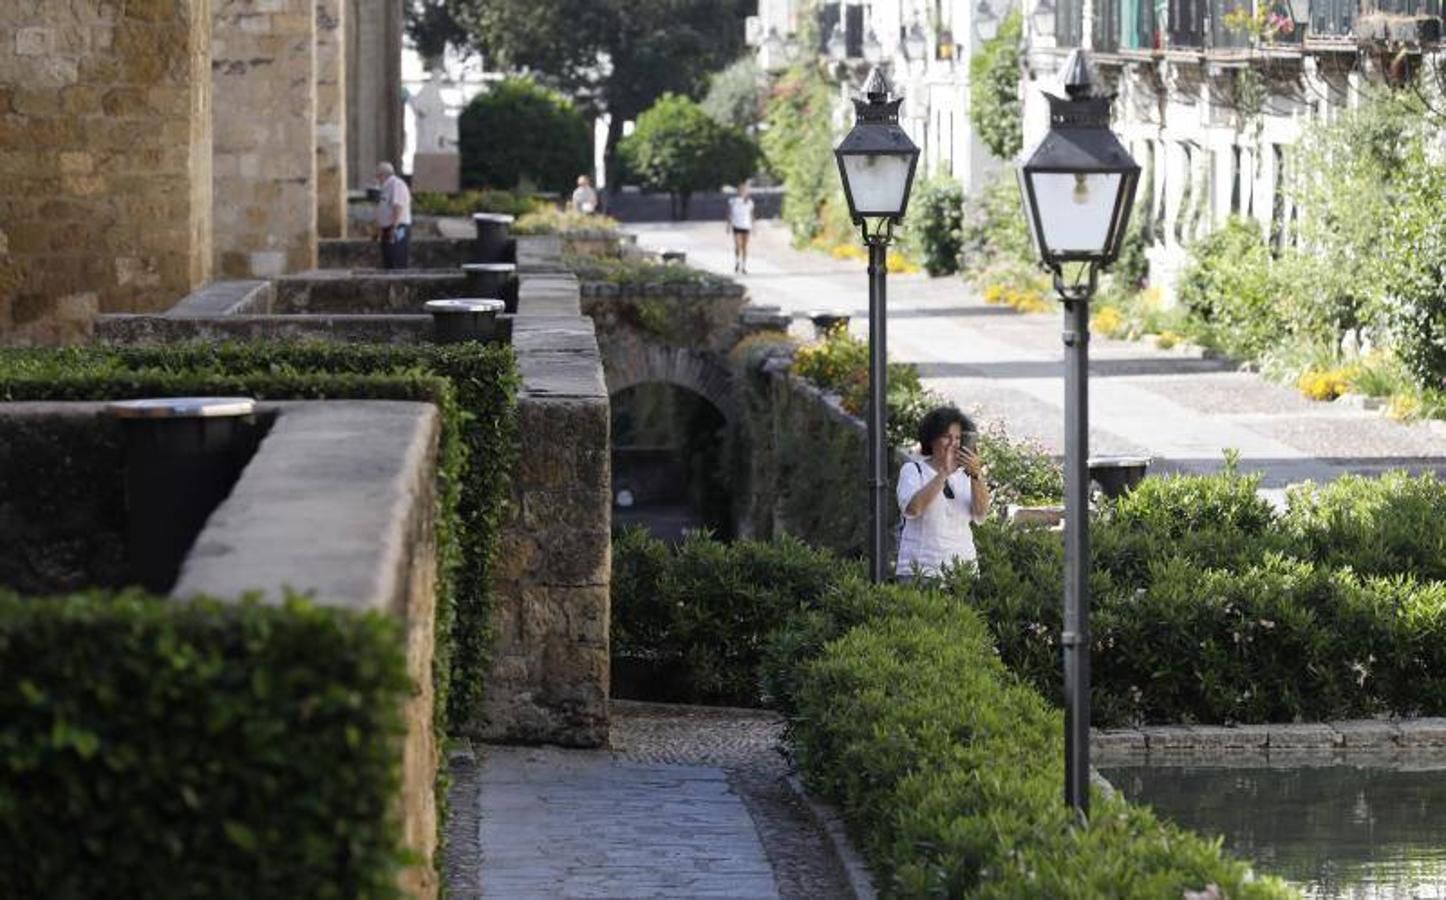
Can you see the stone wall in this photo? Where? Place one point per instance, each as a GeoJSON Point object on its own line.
{"type": "Point", "coordinates": [104, 160]}
{"type": "Point", "coordinates": [264, 86]}
{"type": "Point", "coordinates": [331, 118]}
{"type": "Point", "coordinates": [373, 87]}
{"type": "Point", "coordinates": [550, 673]}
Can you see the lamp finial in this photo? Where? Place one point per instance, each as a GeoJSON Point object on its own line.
{"type": "Point", "coordinates": [1076, 78]}
{"type": "Point", "coordinates": [877, 87]}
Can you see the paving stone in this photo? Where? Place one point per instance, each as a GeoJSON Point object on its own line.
{"type": "Point", "coordinates": [691, 802]}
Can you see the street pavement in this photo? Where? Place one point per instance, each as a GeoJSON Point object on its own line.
{"type": "Point", "coordinates": [1171, 405]}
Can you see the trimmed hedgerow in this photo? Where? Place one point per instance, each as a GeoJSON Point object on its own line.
{"type": "Point", "coordinates": [154, 748]}
{"type": "Point", "coordinates": [1207, 606]}
{"type": "Point", "coordinates": [948, 767]}
{"type": "Point", "coordinates": [694, 620]}
{"type": "Point", "coordinates": [473, 385]}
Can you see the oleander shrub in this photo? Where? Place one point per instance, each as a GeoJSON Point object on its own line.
{"type": "Point", "coordinates": [1237, 295]}
{"type": "Point", "coordinates": [157, 748]}
{"type": "Point", "coordinates": [473, 386]}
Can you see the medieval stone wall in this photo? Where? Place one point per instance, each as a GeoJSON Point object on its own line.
{"type": "Point", "coordinates": [264, 83]}
{"type": "Point", "coordinates": [331, 118]}
{"type": "Point", "coordinates": [104, 137]}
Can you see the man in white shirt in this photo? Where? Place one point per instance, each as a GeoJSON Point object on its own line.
{"type": "Point", "coordinates": [394, 217]}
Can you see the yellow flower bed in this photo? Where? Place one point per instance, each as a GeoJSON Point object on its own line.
{"type": "Point", "coordinates": [1404, 407]}
{"type": "Point", "coordinates": [1108, 322]}
{"type": "Point", "coordinates": [1327, 384]}
{"type": "Point", "coordinates": [1167, 339]}
{"type": "Point", "coordinates": [849, 251]}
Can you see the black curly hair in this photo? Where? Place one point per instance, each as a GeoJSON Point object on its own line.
{"type": "Point", "coordinates": [936, 422]}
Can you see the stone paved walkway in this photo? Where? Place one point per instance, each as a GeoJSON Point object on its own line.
{"type": "Point", "coordinates": [690, 802]}
{"type": "Point", "coordinates": [1182, 411]}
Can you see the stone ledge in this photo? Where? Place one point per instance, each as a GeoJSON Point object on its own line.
{"type": "Point", "coordinates": [323, 506]}
{"type": "Point", "coordinates": [1313, 740]}
{"type": "Point", "coordinates": [225, 298]}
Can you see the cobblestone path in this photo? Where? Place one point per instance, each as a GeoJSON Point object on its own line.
{"type": "Point", "coordinates": [690, 802]}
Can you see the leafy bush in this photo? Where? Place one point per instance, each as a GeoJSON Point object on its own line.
{"type": "Point", "coordinates": [995, 232]}
{"type": "Point", "coordinates": [1376, 526]}
{"type": "Point", "coordinates": [678, 148]}
{"type": "Point", "coordinates": [934, 231]}
{"type": "Point", "coordinates": [522, 135]}
{"type": "Point", "coordinates": [950, 771]}
{"type": "Point", "coordinates": [161, 749]}
{"type": "Point", "coordinates": [902, 712]}
{"type": "Point", "coordinates": [1231, 289]}
{"type": "Point", "coordinates": [551, 220]}
{"type": "Point", "coordinates": [474, 387]}
{"type": "Point", "coordinates": [799, 147]}
{"type": "Point", "coordinates": [466, 203]}
{"type": "Point", "coordinates": [995, 107]}
{"type": "Point", "coordinates": [1414, 257]}
{"type": "Point", "coordinates": [840, 363]}
{"type": "Point", "coordinates": [699, 616]}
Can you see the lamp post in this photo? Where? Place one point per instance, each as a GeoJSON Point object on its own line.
{"type": "Point", "coordinates": [1078, 186]}
{"type": "Point", "coordinates": [876, 161]}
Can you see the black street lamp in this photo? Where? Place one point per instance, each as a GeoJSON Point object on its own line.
{"type": "Point", "coordinates": [876, 161]}
{"type": "Point", "coordinates": [1078, 186]}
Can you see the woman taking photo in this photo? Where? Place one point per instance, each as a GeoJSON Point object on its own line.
{"type": "Point", "coordinates": [941, 495]}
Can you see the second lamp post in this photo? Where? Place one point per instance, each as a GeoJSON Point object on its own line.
{"type": "Point", "coordinates": [876, 161]}
{"type": "Point", "coordinates": [1078, 186]}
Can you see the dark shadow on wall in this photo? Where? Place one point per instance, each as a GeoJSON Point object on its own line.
{"type": "Point", "coordinates": [670, 462]}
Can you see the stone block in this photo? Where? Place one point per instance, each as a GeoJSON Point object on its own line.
{"type": "Point", "coordinates": [34, 42]}
{"type": "Point", "coordinates": [1423, 733]}
{"type": "Point", "coordinates": [1368, 734]}
{"type": "Point", "coordinates": [1219, 739]}
{"type": "Point", "coordinates": [1114, 742]}
{"type": "Point", "coordinates": [1170, 738]}
{"type": "Point", "coordinates": [1309, 736]}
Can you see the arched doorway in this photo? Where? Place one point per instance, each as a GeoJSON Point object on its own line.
{"type": "Point", "coordinates": [672, 461]}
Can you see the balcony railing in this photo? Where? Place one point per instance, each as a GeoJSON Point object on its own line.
{"type": "Point", "coordinates": [1231, 24]}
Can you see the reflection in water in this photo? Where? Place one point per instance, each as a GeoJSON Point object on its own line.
{"type": "Point", "coordinates": [1337, 831]}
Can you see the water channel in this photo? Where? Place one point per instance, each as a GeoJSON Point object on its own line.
{"type": "Point", "coordinates": [1337, 831]}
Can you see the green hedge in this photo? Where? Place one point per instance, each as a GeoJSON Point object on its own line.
{"type": "Point", "coordinates": [161, 749]}
{"type": "Point", "coordinates": [949, 768]}
{"type": "Point", "coordinates": [474, 387]}
{"type": "Point", "coordinates": [1208, 606]}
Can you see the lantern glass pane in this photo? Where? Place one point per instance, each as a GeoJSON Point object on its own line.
{"type": "Point", "coordinates": [877, 182]}
{"type": "Point", "coordinates": [1076, 210]}
{"type": "Point", "coordinates": [1028, 211]}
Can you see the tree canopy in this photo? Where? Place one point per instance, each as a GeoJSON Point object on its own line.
{"type": "Point", "coordinates": [994, 103]}
{"type": "Point", "coordinates": [679, 148]}
{"type": "Point", "coordinates": [614, 56]}
{"type": "Point", "coordinates": [522, 134]}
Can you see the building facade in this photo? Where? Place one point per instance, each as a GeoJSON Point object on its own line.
{"type": "Point", "coordinates": [924, 46]}
{"type": "Point", "coordinates": [1214, 95]}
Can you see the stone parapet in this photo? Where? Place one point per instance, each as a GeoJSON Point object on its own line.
{"type": "Point", "coordinates": [264, 153]}
{"type": "Point", "coordinates": [1289, 743]}
{"type": "Point", "coordinates": [331, 176]}
{"type": "Point", "coordinates": [550, 671]}
{"type": "Point", "coordinates": [423, 253]}
{"type": "Point", "coordinates": [366, 291]}
{"type": "Point", "coordinates": [105, 128]}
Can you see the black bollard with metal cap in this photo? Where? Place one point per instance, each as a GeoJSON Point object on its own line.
{"type": "Point", "coordinates": [494, 281]}
{"type": "Point", "coordinates": [183, 455]}
{"type": "Point", "coordinates": [825, 322]}
{"type": "Point", "coordinates": [494, 232]}
{"type": "Point", "coordinates": [464, 319]}
{"type": "Point", "coordinates": [1117, 475]}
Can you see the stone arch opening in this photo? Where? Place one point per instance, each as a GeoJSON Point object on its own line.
{"type": "Point", "coordinates": [672, 461]}
{"type": "Point", "coordinates": [697, 371]}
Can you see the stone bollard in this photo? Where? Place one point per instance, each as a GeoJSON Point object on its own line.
{"type": "Point", "coordinates": [183, 454]}
{"type": "Point", "coordinates": [493, 238]}
{"type": "Point", "coordinates": [675, 256]}
{"type": "Point", "coordinates": [824, 322]}
{"type": "Point", "coordinates": [763, 317]}
{"type": "Point", "coordinates": [494, 281]}
{"type": "Point", "coordinates": [1116, 475]}
{"type": "Point", "coordinates": [464, 319]}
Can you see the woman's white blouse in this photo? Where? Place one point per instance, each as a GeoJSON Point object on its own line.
{"type": "Point", "coordinates": [941, 533]}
